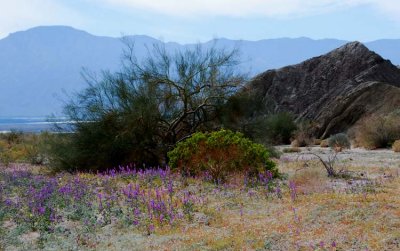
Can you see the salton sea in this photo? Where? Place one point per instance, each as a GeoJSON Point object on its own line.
{"type": "Point", "coordinates": [29, 124]}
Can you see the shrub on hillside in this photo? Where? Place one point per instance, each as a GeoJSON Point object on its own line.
{"type": "Point", "coordinates": [280, 127]}
{"type": "Point", "coordinates": [219, 154]}
{"type": "Point", "coordinates": [339, 141]}
{"type": "Point", "coordinates": [378, 131]}
{"type": "Point", "coordinates": [396, 146]}
{"type": "Point", "coordinates": [303, 135]}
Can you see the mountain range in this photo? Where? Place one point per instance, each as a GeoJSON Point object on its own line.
{"type": "Point", "coordinates": [41, 67]}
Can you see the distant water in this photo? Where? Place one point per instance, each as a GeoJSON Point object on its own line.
{"type": "Point", "coordinates": [29, 124]}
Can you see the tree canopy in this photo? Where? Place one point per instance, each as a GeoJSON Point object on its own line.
{"type": "Point", "coordinates": [140, 112]}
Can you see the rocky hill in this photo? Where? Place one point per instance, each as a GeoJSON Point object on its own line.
{"type": "Point", "coordinates": [335, 90]}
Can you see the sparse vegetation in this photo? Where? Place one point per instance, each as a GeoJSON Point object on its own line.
{"type": "Point", "coordinates": [378, 131]}
{"type": "Point", "coordinates": [16, 147]}
{"type": "Point", "coordinates": [339, 141]}
{"type": "Point", "coordinates": [396, 146]}
{"type": "Point", "coordinates": [291, 150]}
{"type": "Point", "coordinates": [156, 209]}
{"type": "Point", "coordinates": [324, 143]}
{"type": "Point", "coordinates": [303, 135]}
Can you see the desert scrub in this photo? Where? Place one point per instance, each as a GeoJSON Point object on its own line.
{"type": "Point", "coordinates": [396, 146]}
{"type": "Point", "coordinates": [303, 135]}
{"type": "Point", "coordinates": [280, 127]}
{"type": "Point", "coordinates": [378, 131]}
{"type": "Point", "coordinates": [324, 143]}
{"type": "Point", "coordinates": [339, 141]}
{"type": "Point", "coordinates": [219, 154]}
{"type": "Point", "coordinates": [291, 150]}
{"type": "Point", "coordinates": [18, 147]}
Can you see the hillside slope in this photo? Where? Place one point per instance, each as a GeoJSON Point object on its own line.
{"type": "Point", "coordinates": [335, 90]}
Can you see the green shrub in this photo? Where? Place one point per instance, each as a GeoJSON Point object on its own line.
{"type": "Point", "coordinates": [378, 131]}
{"type": "Point", "coordinates": [339, 141]}
{"type": "Point", "coordinates": [220, 153]}
{"type": "Point", "coordinates": [280, 128]}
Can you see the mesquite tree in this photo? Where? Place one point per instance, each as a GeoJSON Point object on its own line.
{"type": "Point", "coordinates": [142, 111]}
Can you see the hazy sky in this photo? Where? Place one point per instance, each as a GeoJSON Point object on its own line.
{"type": "Point", "coordinates": [200, 20]}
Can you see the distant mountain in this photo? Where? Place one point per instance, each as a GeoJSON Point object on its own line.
{"type": "Point", "coordinates": [334, 90]}
{"type": "Point", "coordinates": [39, 66]}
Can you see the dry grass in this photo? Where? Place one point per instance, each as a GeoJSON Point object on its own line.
{"type": "Point", "coordinates": [396, 146]}
{"type": "Point", "coordinates": [324, 143]}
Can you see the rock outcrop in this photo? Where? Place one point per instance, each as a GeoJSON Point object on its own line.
{"type": "Point", "coordinates": [335, 90]}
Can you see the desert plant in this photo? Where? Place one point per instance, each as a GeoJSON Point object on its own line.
{"type": "Point", "coordinates": [396, 146]}
{"type": "Point", "coordinates": [303, 135]}
{"type": "Point", "coordinates": [317, 141]}
{"type": "Point", "coordinates": [279, 127]}
{"type": "Point", "coordinates": [140, 113]}
{"type": "Point", "coordinates": [324, 143]}
{"type": "Point", "coordinates": [291, 150]}
{"type": "Point", "coordinates": [329, 163]}
{"type": "Point", "coordinates": [36, 148]}
{"type": "Point", "coordinates": [339, 141]}
{"type": "Point", "coordinates": [13, 137]}
{"type": "Point", "coordinates": [219, 154]}
{"type": "Point", "coordinates": [377, 131]}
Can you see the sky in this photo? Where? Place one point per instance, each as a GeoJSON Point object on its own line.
{"type": "Point", "coordinates": [188, 21]}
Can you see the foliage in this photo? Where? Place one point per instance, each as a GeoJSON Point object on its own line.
{"type": "Point", "coordinates": [141, 112]}
{"type": "Point", "coordinates": [236, 212]}
{"type": "Point", "coordinates": [146, 200]}
{"type": "Point", "coordinates": [245, 112]}
{"type": "Point", "coordinates": [24, 147]}
{"type": "Point", "coordinates": [303, 135]}
{"type": "Point", "coordinates": [279, 128]}
{"type": "Point", "coordinates": [256, 118]}
{"type": "Point", "coordinates": [13, 137]}
{"type": "Point", "coordinates": [219, 154]}
{"type": "Point", "coordinates": [396, 146]}
{"type": "Point", "coordinates": [339, 141]}
{"type": "Point", "coordinates": [324, 143]}
{"type": "Point", "coordinates": [378, 131]}
{"type": "Point", "coordinates": [291, 150]}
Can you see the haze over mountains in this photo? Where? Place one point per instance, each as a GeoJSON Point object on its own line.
{"type": "Point", "coordinates": [40, 65]}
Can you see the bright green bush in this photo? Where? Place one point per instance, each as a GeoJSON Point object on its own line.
{"type": "Point", "coordinates": [219, 154]}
